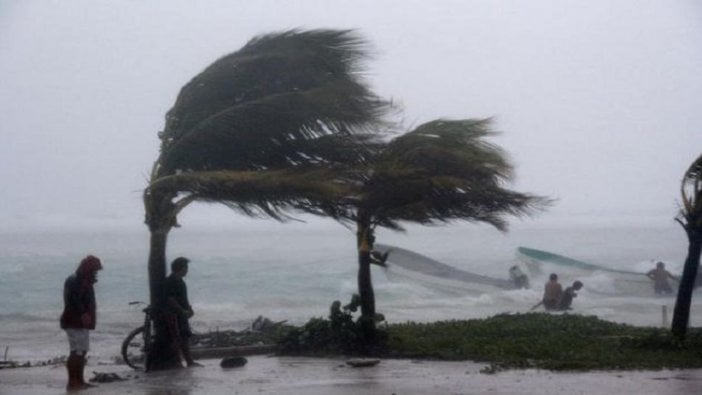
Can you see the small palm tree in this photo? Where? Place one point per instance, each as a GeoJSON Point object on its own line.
{"type": "Point", "coordinates": [262, 130]}
{"type": "Point", "coordinates": [690, 218]}
{"type": "Point", "coordinates": [442, 171]}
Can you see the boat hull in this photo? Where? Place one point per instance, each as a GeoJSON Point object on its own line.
{"type": "Point", "coordinates": [603, 280]}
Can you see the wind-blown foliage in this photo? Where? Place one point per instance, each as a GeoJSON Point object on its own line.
{"type": "Point", "coordinates": [270, 104]}
{"type": "Point", "coordinates": [690, 217]}
{"type": "Point", "coordinates": [256, 193]}
{"type": "Point", "coordinates": [442, 171]}
{"type": "Point", "coordinates": [290, 100]}
{"type": "Point", "coordinates": [264, 130]}
{"type": "Point", "coordinates": [285, 124]}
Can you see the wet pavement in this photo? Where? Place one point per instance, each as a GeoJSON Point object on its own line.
{"type": "Point", "coordinates": [317, 376]}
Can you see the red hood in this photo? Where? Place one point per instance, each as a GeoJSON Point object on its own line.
{"type": "Point", "coordinates": [89, 266]}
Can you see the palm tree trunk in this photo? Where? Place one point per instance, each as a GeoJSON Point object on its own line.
{"type": "Point", "coordinates": [365, 283]}
{"type": "Point", "coordinates": [164, 354]}
{"type": "Point", "coordinates": [157, 265]}
{"type": "Point", "coordinates": [681, 313]}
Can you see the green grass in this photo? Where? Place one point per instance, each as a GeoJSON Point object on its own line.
{"type": "Point", "coordinates": [534, 340]}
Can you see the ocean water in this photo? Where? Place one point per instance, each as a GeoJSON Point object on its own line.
{"type": "Point", "coordinates": [294, 271]}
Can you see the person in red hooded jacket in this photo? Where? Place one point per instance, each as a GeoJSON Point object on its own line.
{"type": "Point", "coordinates": [79, 317]}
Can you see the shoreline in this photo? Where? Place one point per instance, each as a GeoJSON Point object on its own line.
{"type": "Point", "coordinates": [331, 376]}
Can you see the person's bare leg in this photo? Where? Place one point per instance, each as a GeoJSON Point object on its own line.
{"type": "Point", "coordinates": [75, 364]}
{"type": "Point", "coordinates": [185, 349]}
{"type": "Point", "coordinates": [72, 366]}
{"type": "Point", "coordinates": [83, 362]}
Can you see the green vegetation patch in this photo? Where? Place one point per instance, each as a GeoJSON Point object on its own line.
{"type": "Point", "coordinates": [540, 340]}
{"type": "Point", "coordinates": [534, 340]}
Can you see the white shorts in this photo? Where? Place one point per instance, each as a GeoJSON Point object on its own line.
{"type": "Point", "coordinates": [78, 340]}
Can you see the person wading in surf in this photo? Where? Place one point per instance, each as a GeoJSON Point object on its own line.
{"type": "Point", "coordinates": [567, 296]}
{"type": "Point", "coordinates": [660, 278]}
{"type": "Point", "coordinates": [552, 292]}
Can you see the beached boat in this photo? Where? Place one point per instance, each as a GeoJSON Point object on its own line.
{"type": "Point", "coordinates": [406, 263]}
{"type": "Point", "coordinates": [607, 280]}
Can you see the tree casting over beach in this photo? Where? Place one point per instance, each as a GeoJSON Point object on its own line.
{"type": "Point", "coordinates": [285, 125]}
{"type": "Point", "coordinates": [441, 171]}
{"type": "Point", "coordinates": [264, 131]}
{"type": "Point", "coordinates": [690, 218]}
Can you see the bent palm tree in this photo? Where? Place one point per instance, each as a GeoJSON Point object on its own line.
{"type": "Point", "coordinates": [690, 218]}
{"type": "Point", "coordinates": [262, 130]}
{"type": "Point", "coordinates": [441, 171]}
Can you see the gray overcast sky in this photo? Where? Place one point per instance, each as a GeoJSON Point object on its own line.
{"type": "Point", "coordinates": [599, 102]}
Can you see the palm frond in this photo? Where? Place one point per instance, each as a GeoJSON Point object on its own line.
{"type": "Point", "coordinates": [276, 131]}
{"type": "Point", "coordinates": [286, 124]}
{"type": "Point", "coordinates": [690, 215]}
{"type": "Point", "coordinates": [442, 171]}
{"type": "Point", "coordinates": [257, 193]}
{"type": "Point", "coordinates": [451, 147]}
{"type": "Point", "coordinates": [254, 108]}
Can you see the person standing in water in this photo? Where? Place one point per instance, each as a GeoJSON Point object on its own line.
{"type": "Point", "coordinates": [552, 292]}
{"type": "Point", "coordinates": [660, 278]}
{"type": "Point", "coordinates": [567, 296]}
{"type": "Point", "coordinates": [518, 278]}
{"type": "Point", "coordinates": [79, 317]}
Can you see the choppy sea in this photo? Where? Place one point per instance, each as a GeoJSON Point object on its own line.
{"type": "Point", "coordinates": [295, 271]}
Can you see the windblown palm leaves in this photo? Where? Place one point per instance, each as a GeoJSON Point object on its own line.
{"type": "Point", "coordinates": [270, 105]}
{"type": "Point", "coordinates": [263, 130]}
{"type": "Point", "coordinates": [690, 217]}
{"type": "Point", "coordinates": [442, 171]}
{"type": "Point", "coordinates": [285, 124]}
{"type": "Point", "coordinates": [256, 193]}
{"type": "Point", "coordinates": [289, 100]}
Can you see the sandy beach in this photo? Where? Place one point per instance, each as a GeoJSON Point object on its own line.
{"type": "Point", "coordinates": [296, 375]}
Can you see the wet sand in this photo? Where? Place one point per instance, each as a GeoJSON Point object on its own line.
{"type": "Point", "coordinates": [317, 376]}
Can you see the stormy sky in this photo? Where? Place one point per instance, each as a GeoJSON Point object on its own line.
{"type": "Point", "coordinates": [599, 102]}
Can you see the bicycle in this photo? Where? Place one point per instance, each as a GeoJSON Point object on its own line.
{"type": "Point", "coordinates": [137, 345]}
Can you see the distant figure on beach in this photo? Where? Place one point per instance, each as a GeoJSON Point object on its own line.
{"type": "Point", "coordinates": [78, 317]}
{"type": "Point", "coordinates": [518, 278]}
{"type": "Point", "coordinates": [179, 310]}
{"type": "Point", "coordinates": [567, 296]}
{"type": "Point", "coordinates": [660, 279]}
{"type": "Point", "coordinates": [552, 292]}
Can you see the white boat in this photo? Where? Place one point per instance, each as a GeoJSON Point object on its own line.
{"type": "Point", "coordinates": [603, 279]}
{"type": "Point", "coordinates": [409, 264]}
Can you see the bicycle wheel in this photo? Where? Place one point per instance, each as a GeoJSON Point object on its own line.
{"type": "Point", "coordinates": [133, 349]}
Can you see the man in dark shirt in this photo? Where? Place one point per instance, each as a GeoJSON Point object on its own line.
{"type": "Point", "coordinates": [79, 316]}
{"type": "Point", "coordinates": [179, 309]}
